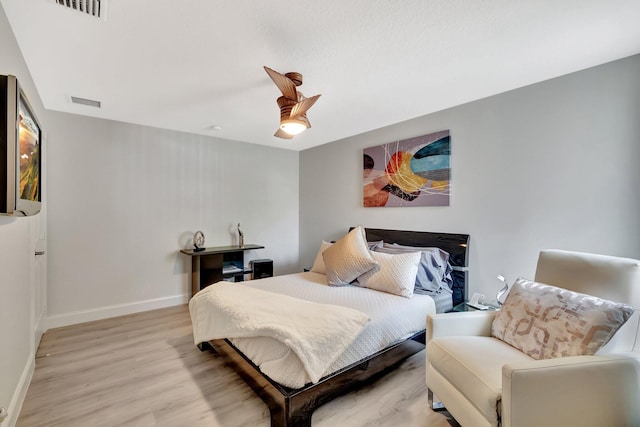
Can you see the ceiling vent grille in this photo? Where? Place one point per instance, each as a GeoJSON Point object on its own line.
{"type": "Point", "coordinates": [95, 8]}
{"type": "Point", "coordinates": [85, 101]}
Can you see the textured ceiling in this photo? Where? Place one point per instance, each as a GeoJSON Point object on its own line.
{"type": "Point", "coordinates": [191, 65]}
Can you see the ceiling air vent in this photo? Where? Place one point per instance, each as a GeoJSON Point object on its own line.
{"type": "Point", "coordinates": [95, 8]}
{"type": "Point", "coordinates": [85, 101]}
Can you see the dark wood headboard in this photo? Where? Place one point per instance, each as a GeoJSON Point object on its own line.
{"type": "Point", "coordinates": [457, 245]}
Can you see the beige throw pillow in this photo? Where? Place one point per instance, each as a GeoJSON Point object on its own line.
{"type": "Point", "coordinates": [397, 273]}
{"type": "Point", "coordinates": [318, 264]}
{"type": "Point", "coordinates": [545, 322]}
{"type": "Point", "coordinates": [348, 258]}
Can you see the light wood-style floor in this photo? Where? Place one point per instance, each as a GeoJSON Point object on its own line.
{"type": "Point", "coordinates": [144, 370]}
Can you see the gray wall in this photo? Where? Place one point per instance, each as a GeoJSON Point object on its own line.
{"type": "Point", "coordinates": [552, 165]}
{"type": "Point", "coordinates": [124, 199]}
{"type": "Point", "coordinates": [21, 289]}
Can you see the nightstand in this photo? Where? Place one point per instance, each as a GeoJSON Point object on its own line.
{"type": "Point", "coordinates": [463, 306]}
{"type": "Point", "coordinates": [212, 265]}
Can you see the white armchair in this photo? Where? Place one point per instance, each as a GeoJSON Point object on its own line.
{"type": "Point", "coordinates": [483, 381]}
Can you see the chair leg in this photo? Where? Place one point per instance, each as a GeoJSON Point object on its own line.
{"type": "Point", "coordinates": [435, 405]}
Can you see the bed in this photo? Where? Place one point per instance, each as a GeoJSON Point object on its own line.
{"type": "Point", "coordinates": [292, 405]}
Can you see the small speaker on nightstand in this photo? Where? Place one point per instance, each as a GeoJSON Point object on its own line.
{"type": "Point", "coordinates": [261, 268]}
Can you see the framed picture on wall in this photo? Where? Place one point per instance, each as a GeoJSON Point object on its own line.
{"type": "Point", "coordinates": [411, 172]}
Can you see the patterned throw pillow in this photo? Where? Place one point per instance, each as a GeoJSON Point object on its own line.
{"type": "Point", "coordinates": [545, 322]}
{"type": "Point", "coordinates": [397, 274]}
{"type": "Point", "coordinates": [348, 258]}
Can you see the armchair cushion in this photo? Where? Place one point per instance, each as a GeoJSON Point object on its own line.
{"type": "Point", "coordinates": [473, 365]}
{"type": "Point", "coordinates": [546, 322]}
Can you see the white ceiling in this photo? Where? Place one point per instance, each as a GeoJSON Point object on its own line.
{"type": "Point", "coordinates": [189, 65]}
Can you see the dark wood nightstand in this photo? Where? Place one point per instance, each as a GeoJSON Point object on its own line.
{"type": "Point", "coordinates": [463, 306]}
{"type": "Point", "coordinates": [212, 265]}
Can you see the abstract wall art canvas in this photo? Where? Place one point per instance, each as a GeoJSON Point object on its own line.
{"type": "Point", "coordinates": [411, 172]}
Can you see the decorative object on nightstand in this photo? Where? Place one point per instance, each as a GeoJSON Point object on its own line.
{"type": "Point", "coordinates": [502, 293]}
{"type": "Point", "coordinates": [240, 237]}
{"type": "Point", "coordinates": [198, 241]}
{"type": "Point", "coordinates": [477, 302]}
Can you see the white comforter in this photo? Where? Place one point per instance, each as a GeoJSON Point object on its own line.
{"type": "Point", "coordinates": [317, 337]}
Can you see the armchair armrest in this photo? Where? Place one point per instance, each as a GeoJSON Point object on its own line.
{"type": "Point", "coordinates": [474, 323]}
{"type": "Point", "coordinates": [582, 391]}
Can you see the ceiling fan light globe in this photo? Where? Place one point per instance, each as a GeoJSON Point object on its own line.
{"type": "Point", "coordinates": [293, 127]}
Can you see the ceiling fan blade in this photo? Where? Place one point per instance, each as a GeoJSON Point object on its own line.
{"type": "Point", "coordinates": [282, 134]}
{"type": "Point", "coordinates": [303, 106]}
{"type": "Point", "coordinates": [284, 83]}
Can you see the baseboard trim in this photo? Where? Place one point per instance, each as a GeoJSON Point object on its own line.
{"type": "Point", "coordinates": [39, 331]}
{"type": "Point", "coordinates": [100, 313]}
{"type": "Point", "coordinates": [21, 392]}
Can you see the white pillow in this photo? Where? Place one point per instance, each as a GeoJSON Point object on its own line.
{"type": "Point", "coordinates": [348, 258]}
{"type": "Point", "coordinates": [434, 271]}
{"type": "Point", "coordinates": [318, 264]}
{"type": "Point", "coordinates": [397, 274]}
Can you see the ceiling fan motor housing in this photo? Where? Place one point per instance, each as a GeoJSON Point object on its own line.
{"type": "Point", "coordinates": [296, 78]}
{"type": "Point", "coordinates": [286, 105]}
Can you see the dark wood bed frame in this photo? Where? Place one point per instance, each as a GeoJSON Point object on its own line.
{"type": "Point", "coordinates": [294, 407]}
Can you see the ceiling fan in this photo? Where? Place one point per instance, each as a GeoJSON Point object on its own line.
{"type": "Point", "coordinates": [293, 104]}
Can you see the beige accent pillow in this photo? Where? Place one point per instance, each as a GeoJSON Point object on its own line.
{"type": "Point", "coordinates": [318, 264]}
{"type": "Point", "coordinates": [348, 258]}
{"type": "Point", "coordinates": [545, 322]}
{"type": "Point", "coordinates": [397, 273]}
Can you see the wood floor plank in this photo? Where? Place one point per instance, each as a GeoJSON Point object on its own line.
{"type": "Point", "coordinates": [144, 370]}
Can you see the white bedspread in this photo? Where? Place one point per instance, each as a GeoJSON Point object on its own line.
{"type": "Point", "coordinates": [319, 334]}
{"type": "Point", "coordinates": [392, 319]}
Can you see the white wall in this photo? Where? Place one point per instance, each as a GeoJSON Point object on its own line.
{"type": "Point", "coordinates": [124, 199]}
{"type": "Point", "coordinates": [552, 165]}
{"type": "Point", "coordinates": [20, 327]}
